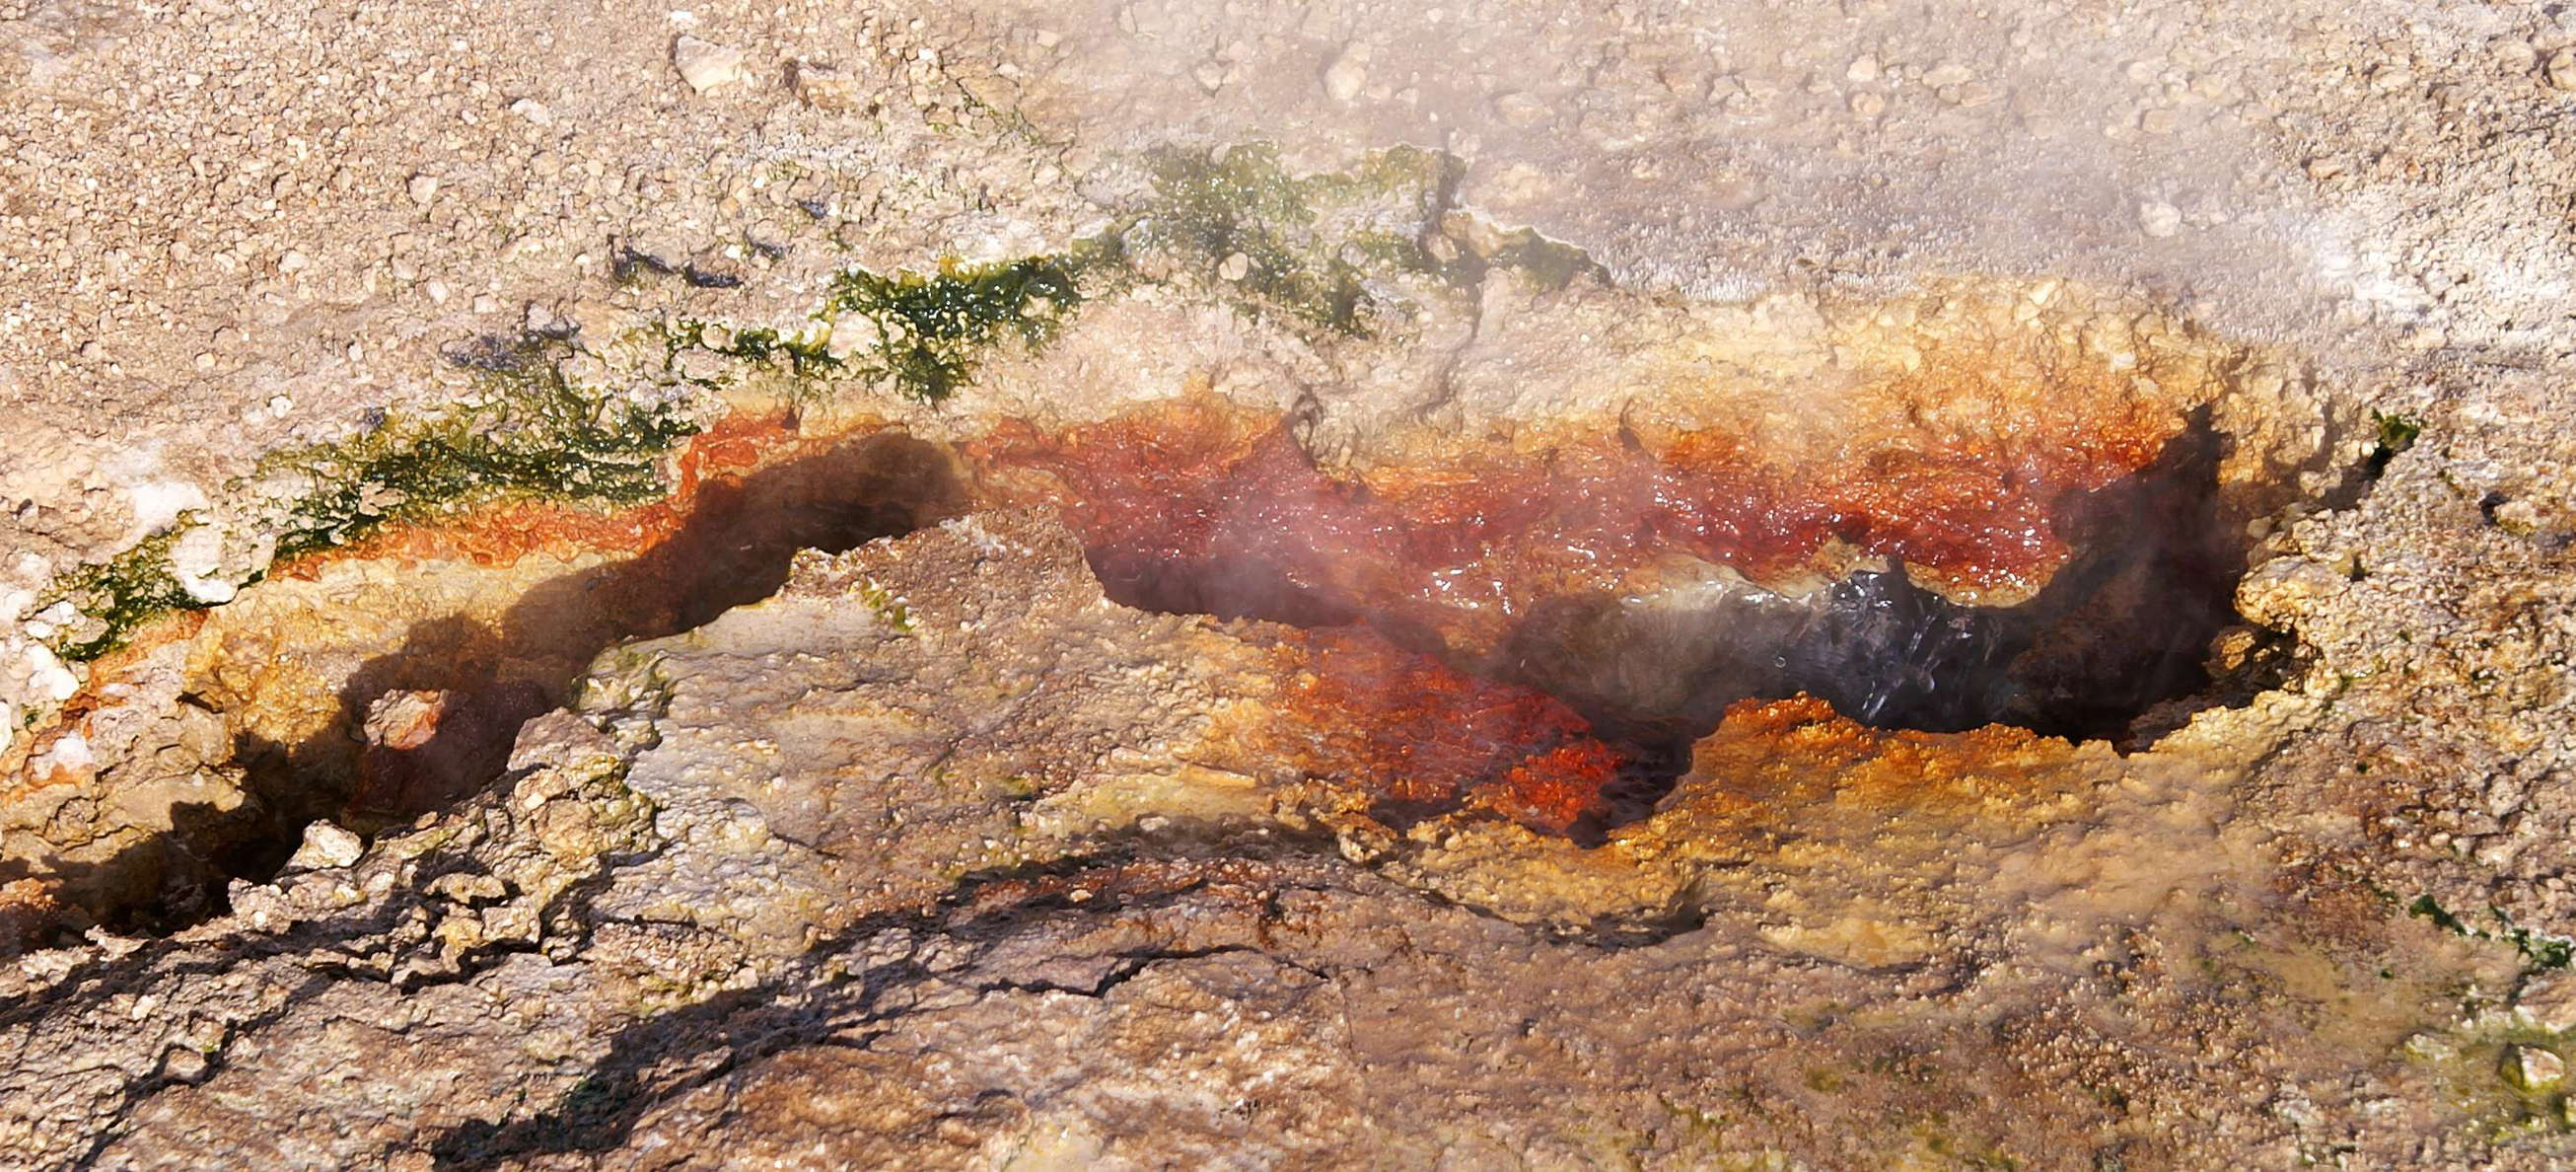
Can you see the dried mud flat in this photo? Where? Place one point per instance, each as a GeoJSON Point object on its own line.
{"type": "Point", "coordinates": [1178, 584]}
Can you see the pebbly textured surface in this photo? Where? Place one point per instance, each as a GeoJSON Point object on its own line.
{"type": "Point", "coordinates": [426, 748]}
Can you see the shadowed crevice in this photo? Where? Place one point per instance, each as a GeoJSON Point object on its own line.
{"type": "Point", "coordinates": [449, 701]}
{"type": "Point", "coordinates": [2123, 628]}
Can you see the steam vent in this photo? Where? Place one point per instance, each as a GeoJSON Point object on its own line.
{"type": "Point", "coordinates": [1177, 584]}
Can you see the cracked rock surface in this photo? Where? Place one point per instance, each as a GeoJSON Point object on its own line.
{"type": "Point", "coordinates": [938, 857]}
{"type": "Point", "coordinates": [566, 580]}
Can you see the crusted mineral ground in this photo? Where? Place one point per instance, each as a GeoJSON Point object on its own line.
{"type": "Point", "coordinates": [1164, 584]}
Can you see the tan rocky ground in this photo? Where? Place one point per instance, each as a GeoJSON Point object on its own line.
{"type": "Point", "coordinates": [1312, 518]}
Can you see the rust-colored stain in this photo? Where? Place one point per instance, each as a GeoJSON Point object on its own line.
{"type": "Point", "coordinates": [16, 767]}
{"type": "Point", "coordinates": [501, 532]}
{"type": "Point", "coordinates": [1770, 755]}
{"type": "Point", "coordinates": [1464, 540]}
{"type": "Point", "coordinates": [1418, 738]}
{"type": "Point", "coordinates": [28, 908]}
{"type": "Point", "coordinates": [659, 538]}
{"type": "Point", "coordinates": [1444, 548]}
